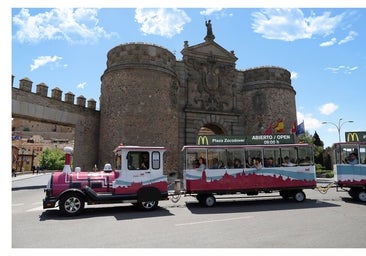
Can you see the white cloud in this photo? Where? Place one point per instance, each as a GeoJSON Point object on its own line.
{"type": "Point", "coordinates": [329, 43]}
{"type": "Point", "coordinates": [310, 122]}
{"type": "Point", "coordinates": [291, 24]}
{"type": "Point", "coordinates": [328, 108]}
{"type": "Point", "coordinates": [294, 75]}
{"type": "Point", "coordinates": [81, 85]}
{"type": "Point", "coordinates": [342, 69]}
{"type": "Point", "coordinates": [351, 36]}
{"type": "Point", "coordinates": [162, 22]}
{"type": "Point", "coordinates": [44, 60]}
{"type": "Point", "coordinates": [72, 25]}
{"type": "Point", "coordinates": [209, 11]}
{"type": "Point", "coordinates": [216, 13]}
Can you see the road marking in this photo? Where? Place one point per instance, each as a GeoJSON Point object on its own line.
{"type": "Point", "coordinates": [39, 208]}
{"type": "Point", "coordinates": [212, 221]}
{"type": "Point", "coordinates": [20, 204]}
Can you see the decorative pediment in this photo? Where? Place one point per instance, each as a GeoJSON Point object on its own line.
{"type": "Point", "coordinates": [209, 50]}
{"type": "Point", "coordinates": [210, 71]}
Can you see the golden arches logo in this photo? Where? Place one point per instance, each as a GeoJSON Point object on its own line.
{"type": "Point", "coordinates": [202, 140]}
{"type": "Point", "coordinates": [352, 136]}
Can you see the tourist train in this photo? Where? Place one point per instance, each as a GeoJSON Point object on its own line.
{"type": "Point", "coordinates": [235, 166]}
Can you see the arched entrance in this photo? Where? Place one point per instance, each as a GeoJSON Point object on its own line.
{"type": "Point", "coordinates": [210, 129]}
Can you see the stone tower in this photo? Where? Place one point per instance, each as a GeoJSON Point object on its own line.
{"type": "Point", "coordinates": [267, 96]}
{"type": "Point", "coordinates": [138, 102]}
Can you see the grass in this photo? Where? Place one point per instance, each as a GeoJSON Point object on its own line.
{"type": "Point", "coordinates": [324, 173]}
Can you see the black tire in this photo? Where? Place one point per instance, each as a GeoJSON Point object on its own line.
{"type": "Point", "coordinates": [353, 192]}
{"type": "Point", "coordinates": [209, 200]}
{"type": "Point", "coordinates": [72, 204]}
{"type": "Point", "coordinates": [200, 199]}
{"type": "Point", "coordinates": [362, 195]}
{"type": "Point", "coordinates": [299, 196]}
{"type": "Point", "coordinates": [148, 205]}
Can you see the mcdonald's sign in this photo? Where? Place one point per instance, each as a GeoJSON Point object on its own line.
{"type": "Point", "coordinates": [355, 136]}
{"type": "Point", "coordinates": [245, 139]}
{"type": "Point", "coordinates": [202, 140]}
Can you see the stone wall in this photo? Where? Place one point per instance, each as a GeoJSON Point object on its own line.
{"type": "Point", "coordinates": [85, 120]}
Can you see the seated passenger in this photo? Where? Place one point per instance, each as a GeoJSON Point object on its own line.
{"type": "Point", "coordinates": [215, 163]}
{"type": "Point", "coordinates": [287, 162]}
{"type": "Point", "coordinates": [230, 164]}
{"type": "Point", "coordinates": [202, 164]}
{"type": "Point", "coordinates": [269, 162]}
{"type": "Point", "coordinates": [237, 163]}
{"type": "Point", "coordinates": [352, 158]}
{"type": "Point", "coordinates": [257, 163]}
{"type": "Point", "coordinates": [145, 162]}
{"type": "Point", "coordinates": [195, 164]}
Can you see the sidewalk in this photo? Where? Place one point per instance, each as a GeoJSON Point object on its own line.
{"type": "Point", "coordinates": [26, 175]}
{"type": "Point", "coordinates": [30, 181]}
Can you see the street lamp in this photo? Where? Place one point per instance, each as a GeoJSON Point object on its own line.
{"type": "Point", "coordinates": [339, 126]}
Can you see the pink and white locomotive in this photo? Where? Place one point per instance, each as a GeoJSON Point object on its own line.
{"type": "Point", "coordinates": [137, 178]}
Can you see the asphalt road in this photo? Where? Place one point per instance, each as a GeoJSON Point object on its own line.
{"type": "Point", "coordinates": [330, 220]}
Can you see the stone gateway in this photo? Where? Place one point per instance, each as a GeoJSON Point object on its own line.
{"type": "Point", "coordinates": [150, 98]}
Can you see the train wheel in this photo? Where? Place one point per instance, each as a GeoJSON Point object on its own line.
{"type": "Point", "coordinates": [353, 193]}
{"type": "Point", "coordinates": [209, 200]}
{"type": "Point", "coordinates": [362, 196]}
{"type": "Point", "coordinates": [200, 198]}
{"type": "Point", "coordinates": [148, 205]}
{"type": "Point", "coordinates": [299, 196]}
{"type": "Point", "coordinates": [71, 204]}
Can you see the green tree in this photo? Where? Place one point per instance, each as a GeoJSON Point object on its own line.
{"type": "Point", "coordinates": [52, 159]}
{"type": "Point", "coordinates": [318, 145]}
{"type": "Point", "coordinates": [305, 138]}
{"type": "Point", "coordinates": [317, 141]}
{"type": "Point", "coordinates": [318, 150]}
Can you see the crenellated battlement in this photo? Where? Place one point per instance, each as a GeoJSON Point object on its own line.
{"type": "Point", "coordinates": [25, 84]}
{"type": "Point", "coordinates": [142, 55]}
{"type": "Point", "coordinates": [267, 73]}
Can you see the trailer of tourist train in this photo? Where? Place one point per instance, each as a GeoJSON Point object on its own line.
{"type": "Point", "coordinates": [350, 168]}
{"type": "Point", "coordinates": [214, 170]}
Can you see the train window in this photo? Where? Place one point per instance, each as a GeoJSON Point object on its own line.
{"type": "Point", "coordinates": [155, 160]}
{"type": "Point", "coordinates": [192, 156]}
{"type": "Point", "coordinates": [216, 158]}
{"type": "Point", "coordinates": [305, 156]}
{"type": "Point", "coordinates": [272, 157]}
{"type": "Point", "coordinates": [118, 160]}
{"type": "Point", "coordinates": [138, 160]}
{"type": "Point", "coordinates": [251, 156]}
{"type": "Point", "coordinates": [235, 158]}
{"type": "Point", "coordinates": [288, 156]}
{"type": "Point", "coordinates": [362, 155]}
